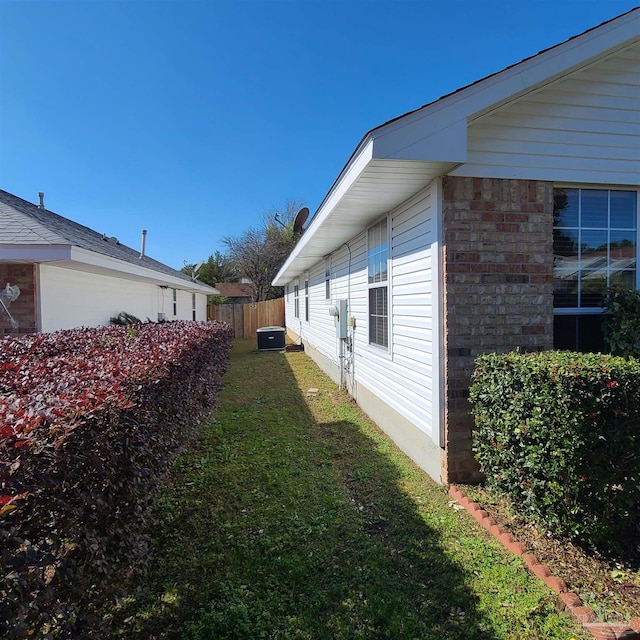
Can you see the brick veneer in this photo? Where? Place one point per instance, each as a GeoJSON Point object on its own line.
{"type": "Point", "coordinates": [24, 308]}
{"type": "Point", "coordinates": [498, 277]}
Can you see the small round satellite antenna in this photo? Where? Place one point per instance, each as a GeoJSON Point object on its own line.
{"type": "Point", "coordinates": [196, 269]}
{"type": "Point", "coordinates": [301, 218]}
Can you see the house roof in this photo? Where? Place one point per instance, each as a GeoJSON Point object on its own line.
{"type": "Point", "coordinates": [39, 235]}
{"type": "Point", "coordinates": [398, 158]}
{"type": "Point", "coordinates": [235, 289]}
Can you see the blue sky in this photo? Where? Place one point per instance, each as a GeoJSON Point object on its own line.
{"type": "Point", "coordinates": [191, 119]}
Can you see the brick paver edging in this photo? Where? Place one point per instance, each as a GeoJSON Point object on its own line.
{"type": "Point", "coordinates": [568, 600]}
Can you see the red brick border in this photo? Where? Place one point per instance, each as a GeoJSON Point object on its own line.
{"type": "Point", "coordinates": [567, 599]}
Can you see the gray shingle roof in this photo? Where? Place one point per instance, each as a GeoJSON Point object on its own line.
{"type": "Point", "coordinates": [22, 222]}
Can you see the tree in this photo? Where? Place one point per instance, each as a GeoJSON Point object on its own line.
{"type": "Point", "coordinates": [217, 268]}
{"type": "Point", "coordinates": [258, 253]}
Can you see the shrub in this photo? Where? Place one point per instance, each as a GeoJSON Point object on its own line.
{"type": "Point", "coordinates": [622, 321]}
{"type": "Point", "coordinates": [124, 318]}
{"type": "Point", "coordinates": [559, 433]}
{"type": "Point", "coordinates": [89, 421]}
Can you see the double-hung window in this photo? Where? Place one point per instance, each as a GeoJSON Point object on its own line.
{"type": "Point", "coordinates": [377, 267]}
{"type": "Point", "coordinates": [194, 307]}
{"type": "Point", "coordinates": [296, 300]}
{"type": "Point", "coordinates": [175, 301]}
{"type": "Point", "coordinates": [595, 238]}
{"type": "Point", "coordinates": [306, 297]}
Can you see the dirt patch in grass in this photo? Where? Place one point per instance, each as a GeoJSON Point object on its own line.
{"type": "Point", "coordinates": [610, 586]}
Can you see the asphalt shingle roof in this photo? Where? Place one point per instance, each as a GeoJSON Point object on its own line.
{"type": "Point", "coordinates": [22, 222]}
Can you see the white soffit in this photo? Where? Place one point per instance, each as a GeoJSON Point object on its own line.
{"type": "Point", "coordinates": [379, 187]}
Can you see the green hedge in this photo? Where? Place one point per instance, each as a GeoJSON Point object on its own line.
{"type": "Point", "coordinates": [622, 321]}
{"type": "Point", "coordinates": [559, 432]}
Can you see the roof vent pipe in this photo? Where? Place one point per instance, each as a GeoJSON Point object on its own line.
{"type": "Point", "coordinates": [41, 197]}
{"type": "Point", "coordinates": [143, 243]}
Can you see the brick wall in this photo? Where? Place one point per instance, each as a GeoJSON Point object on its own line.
{"type": "Point", "coordinates": [24, 308]}
{"type": "Point", "coordinates": [498, 273]}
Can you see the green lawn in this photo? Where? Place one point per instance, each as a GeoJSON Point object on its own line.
{"type": "Point", "coordinates": [295, 517]}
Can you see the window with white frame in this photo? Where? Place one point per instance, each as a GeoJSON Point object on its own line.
{"type": "Point", "coordinates": [377, 266]}
{"type": "Point", "coordinates": [595, 238]}
{"type": "Point", "coordinates": [306, 297]}
{"type": "Point", "coordinates": [175, 301]}
{"type": "Point", "coordinates": [296, 300]}
{"type": "Point", "coordinates": [193, 306]}
{"type": "Point", "coordinates": [327, 278]}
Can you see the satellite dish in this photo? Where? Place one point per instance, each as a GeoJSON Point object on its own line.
{"type": "Point", "coordinates": [194, 273]}
{"type": "Point", "coordinates": [301, 218]}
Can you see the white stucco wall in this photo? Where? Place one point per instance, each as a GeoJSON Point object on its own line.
{"type": "Point", "coordinates": [70, 298]}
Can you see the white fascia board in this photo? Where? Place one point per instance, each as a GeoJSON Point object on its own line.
{"type": "Point", "coordinates": [34, 252]}
{"type": "Point", "coordinates": [425, 134]}
{"type": "Point", "coordinates": [350, 174]}
{"type": "Point", "coordinates": [97, 262]}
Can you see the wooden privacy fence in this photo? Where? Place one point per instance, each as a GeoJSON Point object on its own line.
{"type": "Point", "coordinates": [246, 319]}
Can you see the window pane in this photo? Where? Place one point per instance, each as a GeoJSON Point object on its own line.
{"type": "Point", "coordinates": [590, 337]}
{"type": "Point", "coordinates": [625, 279]}
{"type": "Point", "coordinates": [623, 209]}
{"type": "Point", "coordinates": [594, 242]}
{"type": "Point", "coordinates": [594, 208]}
{"type": "Point", "coordinates": [564, 333]}
{"type": "Point", "coordinates": [565, 242]}
{"type": "Point", "coordinates": [579, 333]}
{"type": "Point", "coordinates": [378, 316]}
{"type": "Point", "coordinates": [565, 208]}
{"type": "Point", "coordinates": [378, 253]}
{"type": "Point", "coordinates": [622, 250]}
{"type": "Point", "coordinates": [593, 287]}
{"type": "Point", "coordinates": [565, 288]}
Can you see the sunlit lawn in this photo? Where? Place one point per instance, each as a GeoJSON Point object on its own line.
{"type": "Point", "coordinates": [295, 517]}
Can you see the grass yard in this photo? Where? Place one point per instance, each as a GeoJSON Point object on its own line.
{"type": "Point", "coordinates": [296, 518]}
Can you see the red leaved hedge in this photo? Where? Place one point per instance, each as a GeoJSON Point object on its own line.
{"type": "Point", "coordinates": [89, 421]}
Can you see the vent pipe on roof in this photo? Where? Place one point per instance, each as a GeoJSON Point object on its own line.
{"type": "Point", "coordinates": [143, 243]}
{"type": "Point", "coordinates": [41, 197]}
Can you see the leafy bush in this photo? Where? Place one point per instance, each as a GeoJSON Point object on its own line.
{"type": "Point", "coordinates": [559, 433]}
{"type": "Point", "coordinates": [124, 318]}
{"type": "Point", "coordinates": [622, 321]}
{"type": "Point", "coordinates": [89, 421]}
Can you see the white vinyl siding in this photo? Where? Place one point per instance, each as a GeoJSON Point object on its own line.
{"type": "Point", "coordinates": [582, 128]}
{"type": "Point", "coordinates": [70, 298]}
{"type": "Point", "coordinates": [406, 376]}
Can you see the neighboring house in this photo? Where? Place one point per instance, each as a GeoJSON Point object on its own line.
{"type": "Point", "coordinates": [71, 276]}
{"type": "Point", "coordinates": [236, 292]}
{"type": "Point", "coordinates": [450, 229]}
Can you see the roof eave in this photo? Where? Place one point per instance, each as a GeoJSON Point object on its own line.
{"type": "Point", "coordinates": [97, 262]}
{"type": "Point", "coordinates": [435, 134]}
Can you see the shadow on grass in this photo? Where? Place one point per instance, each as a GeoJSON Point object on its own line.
{"type": "Point", "coordinates": [276, 525]}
